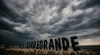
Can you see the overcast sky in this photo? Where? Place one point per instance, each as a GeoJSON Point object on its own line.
{"type": "Point", "coordinates": [26, 20]}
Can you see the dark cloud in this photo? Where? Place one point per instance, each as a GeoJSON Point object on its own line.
{"type": "Point", "coordinates": [3, 9]}
{"type": "Point", "coordinates": [9, 38]}
{"type": "Point", "coordinates": [91, 3]}
{"type": "Point", "coordinates": [42, 19]}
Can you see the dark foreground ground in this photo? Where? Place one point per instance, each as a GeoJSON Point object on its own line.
{"type": "Point", "coordinates": [24, 51]}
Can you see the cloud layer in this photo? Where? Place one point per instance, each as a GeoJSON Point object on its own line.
{"type": "Point", "coordinates": [43, 19]}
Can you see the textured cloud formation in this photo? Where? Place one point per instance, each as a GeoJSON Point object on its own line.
{"type": "Point", "coordinates": [42, 19]}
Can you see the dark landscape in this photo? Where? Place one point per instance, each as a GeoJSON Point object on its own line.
{"type": "Point", "coordinates": [86, 50]}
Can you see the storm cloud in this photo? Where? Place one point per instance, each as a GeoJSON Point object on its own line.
{"type": "Point", "coordinates": [43, 19]}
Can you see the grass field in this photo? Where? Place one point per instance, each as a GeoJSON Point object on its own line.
{"type": "Point", "coordinates": [26, 51]}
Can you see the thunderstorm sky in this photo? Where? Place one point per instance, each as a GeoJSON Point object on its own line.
{"type": "Point", "coordinates": [26, 20]}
